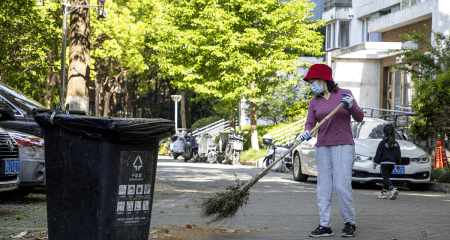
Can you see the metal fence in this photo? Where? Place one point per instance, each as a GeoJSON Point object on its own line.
{"type": "Point", "coordinates": [401, 121]}
{"type": "Point", "coordinates": [212, 129]}
{"type": "Point", "coordinates": [285, 136]}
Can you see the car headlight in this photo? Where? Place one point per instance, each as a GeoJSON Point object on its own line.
{"type": "Point", "coordinates": [29, 150]}
{"type": "Point", "coordinates": [421, 159]}
{"type": "Point", "coordinates": [361, 158]}
{"type": "Point", "coordinates": [41, 151]}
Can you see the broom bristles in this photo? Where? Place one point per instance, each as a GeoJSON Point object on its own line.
{"type": "Point", "coordinates": [225, 204]}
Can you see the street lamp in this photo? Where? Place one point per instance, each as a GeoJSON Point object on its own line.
{"type": "Point", "coordinates": [176, 99]}
{"type": "Point", "coordinates": [101, 13]}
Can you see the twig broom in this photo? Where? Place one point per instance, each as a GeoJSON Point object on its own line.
{"type": "Point", "coordinates": [225, 204]}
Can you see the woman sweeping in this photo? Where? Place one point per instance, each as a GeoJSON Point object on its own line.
{"type": "Point", "coordinates": [335, 147]}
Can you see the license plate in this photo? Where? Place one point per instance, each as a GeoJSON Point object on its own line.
{"type": "Point", "coordinates": [402, 170]}
{"type": "Point", "coordinates": [11, 166]}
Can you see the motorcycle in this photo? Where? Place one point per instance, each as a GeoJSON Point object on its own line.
{"type": "Point", "coordinates": [235, 145]}
{"type": "Point", "coordinates": [207, 149]}
{"type": "Point", "coordinates": [273, 153]}
{"type": "Point", "coordinates": [183, 145]}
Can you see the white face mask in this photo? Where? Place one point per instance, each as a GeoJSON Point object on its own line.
{"type": "Point", "coordinates": [316, 88]}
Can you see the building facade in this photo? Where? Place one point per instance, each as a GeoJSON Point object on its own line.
{"type": "Point", "coordinates": [360, 38]}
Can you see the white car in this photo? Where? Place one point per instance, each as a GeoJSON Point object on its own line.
{"type": "Point", "coordinates": [415, 168]}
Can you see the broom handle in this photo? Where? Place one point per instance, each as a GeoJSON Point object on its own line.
{"type": "Point", "coordinates": [265, 171]}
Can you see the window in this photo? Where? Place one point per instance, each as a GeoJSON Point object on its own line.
{"type": "Point", "coordinates": [344, 34]}
{"type": "Point", "coordinates": [365, 36]}
{"type": "Point", "coordinates": [408, 3]}
{"type": "Point", "coordinates": [328, 36]}
{"type": "Point", "coordinates": [337, 34]}
{"type": "Point", "coordinates": [331, 31]}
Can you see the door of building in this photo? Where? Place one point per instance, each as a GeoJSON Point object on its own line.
{"type": "Point", "coordinates": [399, 90]}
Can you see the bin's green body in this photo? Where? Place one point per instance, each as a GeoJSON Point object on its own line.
{"type": "Point", "coordinates": [98, 189]}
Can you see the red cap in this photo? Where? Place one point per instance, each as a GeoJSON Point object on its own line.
{"type": "Point", "coordinates": [319, 71]}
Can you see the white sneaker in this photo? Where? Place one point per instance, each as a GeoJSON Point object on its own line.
{"type": "Point", "coordinates": [394, 192]}
{"type": "Point", "coordinates": [382, 195]}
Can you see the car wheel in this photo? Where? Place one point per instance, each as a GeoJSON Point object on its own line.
{"type": "Point", "coordinates": [417, 186]}
{"type": "Point", "coordinates": [296, 164]}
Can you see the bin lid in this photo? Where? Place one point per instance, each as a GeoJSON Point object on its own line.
{"type": "Point", "coordinates": [142, 130]}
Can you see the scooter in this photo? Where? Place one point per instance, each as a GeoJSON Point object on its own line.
{"type": "Point", "coordinates": [234, 147]}
{"type": "Point", "coordinates": [183, 145]}
{"type": "Point", "coordinates": [275, 151]}
{"type": "Point", "coordinates": [207, 149]}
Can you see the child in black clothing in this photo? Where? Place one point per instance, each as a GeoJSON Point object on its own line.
{"type": "Point", "coordinates": [388, 155]}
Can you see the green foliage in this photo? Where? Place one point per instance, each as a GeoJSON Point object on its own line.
{"type": "Point", "coordinates": [252, 155]}
{"type": "Point", "coordinates": [20, 217]}
{"type": "Point", "coordinates": [218, 48]}
{"type": "Point", "coordinates": [128, 34]}
{"type": "Point", "coordinates": [441, 175]}
{"type": "Point", "coordinates": [27, 35]}
{"type": "Point", "coordinates": [204, 122]}
{"type": "Point", "coordinates": [431, 78]}
{"type": "Point", "coordinates": [282, 102]}
{"type": "Point", "coordinates": [163, 149]}
{"type": "Point", "coordinates": [300, 108]}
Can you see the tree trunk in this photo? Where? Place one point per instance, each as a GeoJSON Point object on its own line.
{"type": "Point", "coordinates": [79, 57]}
{"type": "Point", "coordinates": [254, 136]}
{"type": "Point", "coordinates": [183, 109]}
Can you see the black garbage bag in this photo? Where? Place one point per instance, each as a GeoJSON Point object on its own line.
{"type": "Point", "coordinates": [110, 129]}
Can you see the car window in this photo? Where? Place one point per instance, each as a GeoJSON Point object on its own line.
{"type": "Point", "coordinates": [18, 99]}
{"type": "Point", "coordinates": [371, 130]}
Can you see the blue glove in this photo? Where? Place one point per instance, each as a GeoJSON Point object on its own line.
{"type": "Point", "coordinates": [305, 136]}
{"type": "Point", "coordinates": [347, 100]}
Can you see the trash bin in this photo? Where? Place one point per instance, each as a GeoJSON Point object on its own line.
{"type": "Point", "coordinates": [100, 175]}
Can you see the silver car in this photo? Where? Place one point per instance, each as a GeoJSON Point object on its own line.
{"type": "Point", "coordinates": [31, 159]}
{"type": "Point", "coordinates": [414, 170]}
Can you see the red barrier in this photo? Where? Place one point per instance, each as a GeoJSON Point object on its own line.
{"type": "Point", "coordinates": [440, 160]}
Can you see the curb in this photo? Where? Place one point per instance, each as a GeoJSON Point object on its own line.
{"type": "Point", "coordinates": [257, 163]}
{"type": "Point", "coordinates": [439, 187]}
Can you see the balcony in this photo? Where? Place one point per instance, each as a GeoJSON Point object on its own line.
{"type": "Point", "coordinates": [329, 4]}
{"type": "Point", "coordinates": [407, 16]}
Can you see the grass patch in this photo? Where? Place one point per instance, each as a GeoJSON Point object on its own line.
{"type": "Point", "coordinates": [252, 155]}
{"type": "Point", "coordinates": [441, 175]}
{"type": "Point", "coordinates": [20, 217]}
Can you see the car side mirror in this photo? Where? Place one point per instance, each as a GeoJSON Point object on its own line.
{"type": "Point", "coordinates": [6, 113]}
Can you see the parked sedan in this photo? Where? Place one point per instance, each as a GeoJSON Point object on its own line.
{"type": "Point", "coordinates": [414, 169]}
{"type": "Point", "coordinates": [31, 160]}
{"type": "Point", "coordinates": [22, 107]}
{"type": "Point", "coordinates": [9, 162]}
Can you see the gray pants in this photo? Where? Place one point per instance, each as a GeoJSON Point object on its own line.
{"type": "Point", "coordinates": [334, 170]}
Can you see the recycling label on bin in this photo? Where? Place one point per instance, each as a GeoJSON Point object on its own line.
{"type": "Point", "coordinates": [133, 201]}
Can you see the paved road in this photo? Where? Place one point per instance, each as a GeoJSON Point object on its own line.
{"type": "Point", "coordinates": [278, 202]}
{"type": "Point", "coordinates": [284, 208]}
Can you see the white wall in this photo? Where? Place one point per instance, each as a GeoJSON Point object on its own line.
{"type": "Point", "coordinates": [362, 77]}
{"type": "Point", "coordinates": [441, 17]}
